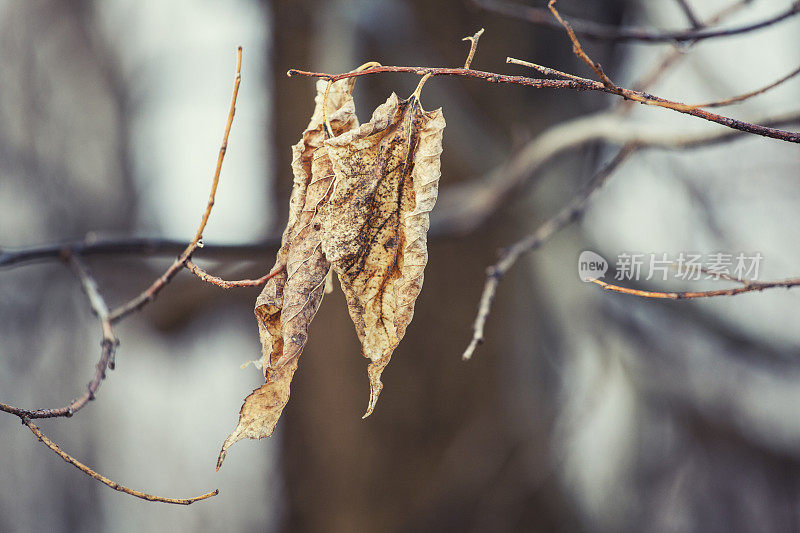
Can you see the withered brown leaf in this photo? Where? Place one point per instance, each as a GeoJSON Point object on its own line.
{"type": "Point", "coordinates": [290, 300]}
{"type": "Point", "coordinates": [376, 222]}
{"type": "Point", "coordinates": [360, 203]}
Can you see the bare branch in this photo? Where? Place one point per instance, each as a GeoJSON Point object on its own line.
{"type": "Point", "coordinates": [149, 294]}
{"type": "Point", "coordinates": [597, 31]}
{"type": "Point", "coordinates": [689, 13]}
{"type": "Point", "coordinates": [576, 83]}
{"type": "Point", "coordinates": [108, 348]}
{"type": "Point", "coordinates": [102, 479]}
{"type": "Point", "coordinates": [748, 95]}
{"type": "Point", "coordinates": [108, 318]}
{"type": "Point", "coordinates": [219, 282]}
{"type": "Point", "coordinates": [671, 57]}
{"type": "Point", "coordinates": [748, 286]}
{"type": "Point", "coordinates": [547, 71]}
{"type": "Point", "coordinates": [578, 49]}
{"type": "Point", "coordinates": [573, 211]}
{"type": "Point", "coordinates": [130, 246]}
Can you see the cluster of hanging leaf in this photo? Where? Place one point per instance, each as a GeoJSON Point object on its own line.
{"type": "Point", "coordinates": [359, 207]}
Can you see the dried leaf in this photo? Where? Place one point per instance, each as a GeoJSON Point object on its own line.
{"type": "Point", "coordinates": [375, 224]}
{"type": "Point", "coordinates": [290, 300]}
{"type": "Point", "coordinates": [360, 203]}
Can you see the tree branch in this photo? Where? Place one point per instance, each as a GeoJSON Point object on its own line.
{"type": "Point", "coordinates": [748, 286]}
{"type": "Point", "coordinates": [689, 14]}
{"type": "Point", "coordinates": [130, 246]}
{"type": "Point", "coordinates": [102, 479]}
{"type": "Point", "coordinates": [573, 211]}
{"type": "Point", "coordinates": [149, 294]}
{"type": "Point", "coordinates": [575, 83]}
{"type": "Point", "coordinates": [108, 318]}
{"type": "Point", "coordinates": [219, 282]}
{"type": "Point", "coordinates": [108, 348]}
{"type": "Point", "coordinates": [748, 95]}
{"type": "Point", "coordinates": [597, 31]}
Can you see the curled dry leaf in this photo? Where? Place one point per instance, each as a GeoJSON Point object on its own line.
{"type": "Point", "coordinates": [375, 225]}
{"type": "Point", "coordinates": [290, 300]}
{"type": "Point", "coordinates": [360, 203]}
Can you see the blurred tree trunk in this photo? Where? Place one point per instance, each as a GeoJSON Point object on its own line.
{"type": "Point", "coordinates": [438, 453]}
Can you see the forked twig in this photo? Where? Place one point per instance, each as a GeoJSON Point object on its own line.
{"type": "Point", "coordinates": [473, 47]}
{"type": "Point", "coordinates": [547, 71]}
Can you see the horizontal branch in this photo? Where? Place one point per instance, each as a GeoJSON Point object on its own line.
{"type": "Point", "coordinates": [605, 32]}
{"type": "Point", "coordinates": [130, 246]}
{"type": "Point", "coordinates": [574, 83]}
{"type": "Point", "coordinates": [747, 286]}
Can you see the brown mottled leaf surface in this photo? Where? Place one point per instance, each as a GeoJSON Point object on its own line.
{"type": "Point", "coordinates": [290, 300]}
{"type": "Point", "coordinates": [376, 223]}
{"type": "Point", "coordinates": [360, 204]}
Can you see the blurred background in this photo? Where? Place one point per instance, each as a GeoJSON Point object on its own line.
{"type": "Point", "coordinates": [583, 411]}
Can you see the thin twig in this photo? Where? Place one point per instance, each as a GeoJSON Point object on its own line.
{"type": "Point", "coordinates": [748, 286]}
{"type": "Point", "coordinates": [108, 348]}
{"type": "Point", "coordinates": [671, 57]}
{"type": "Point", "coordinates": [130, 246]}
{"type": "Point", "coordinates": [748, 95]}
{"type": "Point", "coordinates": [219, 282]}
{"type": "Point", "coordinates": [570, 213]}
{"type": "Point", "coordinates": [463, 208]}
{"type": "Point", "coordinates": [689, 13]}
{"type": "Point", "coordinates": [604, 127]}
{"type": "Point", "coordinates": [98, 305]}
{"type": "Point", "coordinates": [149, 294]}
{"type": "Point", "coordinates": [578, 49]}
{"type": "Point", "coordinates": [547, 71]}
{"type": "Point", "coordinates": [597, 31]}
{"type": "Point", "coordinates": [102, 479]}
{"type": "Point", "coordinates": [473, 47]}
{"type": "Point", "coordinates": [107, 319]}
{"type": "Point", "coordinates": [580, 84]}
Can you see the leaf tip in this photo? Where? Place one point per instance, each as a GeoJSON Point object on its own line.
{"type": "Point", "coordinates": [224, 451]}
{"type": "Point", "coordinates": [375, 385]}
